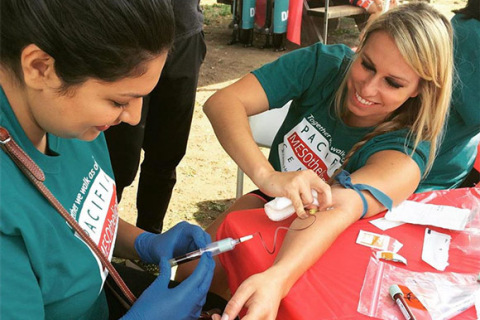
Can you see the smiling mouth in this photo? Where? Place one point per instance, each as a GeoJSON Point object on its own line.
{"type": "Point", "coordinates": [363, 101]}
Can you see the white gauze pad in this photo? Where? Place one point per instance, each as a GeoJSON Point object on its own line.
{"type": "Point", "coordinates": [281, 208]}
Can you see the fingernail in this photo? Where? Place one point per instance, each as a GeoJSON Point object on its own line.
{"type": "Point", "coordinates": [225, 317]}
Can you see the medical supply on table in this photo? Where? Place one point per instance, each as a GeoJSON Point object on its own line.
{"type": "Point", "coordinates": [378, 241]}
{"type": "Point", "coordinates": [214, 248]}
{"type": "Point", "coordinates": [431, 295]}
{"type": "Point", "coordinates": [281, 208]}
{"type": "Point", "coordinates": [443, 216]}
{"type": "Point", "coordinates": [384, 224]}
{"type": "Point", "coordinates": [397, 296]}
{"type": "Point", "coordinates": [391, 256]}
{"type": "Point", "coordinates": [435, 249]}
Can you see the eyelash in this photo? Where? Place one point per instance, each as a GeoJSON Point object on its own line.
{"type": "Point", "coordinates": [119, 105]}
{"type": "Point", "coordinates": [390, 82]}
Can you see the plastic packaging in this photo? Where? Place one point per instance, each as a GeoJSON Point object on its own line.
{"type": "Point", "coordinates": [468, 240]}
{"type": "Point", "coordinates": [443, 294]}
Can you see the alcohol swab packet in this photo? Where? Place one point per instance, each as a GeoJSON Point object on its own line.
{"type": "Point", "coordinates": [380, 242]}
{"type": "Point", "coordinates": [281, 208]}
{"type": "Point", "coordinates": [390, 256]}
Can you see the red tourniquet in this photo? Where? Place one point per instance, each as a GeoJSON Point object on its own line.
{"type": "Point", "coordinates": [330, 289]}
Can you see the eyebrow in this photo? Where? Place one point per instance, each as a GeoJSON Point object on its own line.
{"type": "Point", "coordinates": [390, 75]}
{"type": "Point", "coordinates": [134, 95]}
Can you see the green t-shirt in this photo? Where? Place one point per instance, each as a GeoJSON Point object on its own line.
{"type": "Point", "coordinates": [46, 271]}
{"type": "Point", "coordinates": [457, 153]}
{"type": "Point", "coordinates": [312, 136]}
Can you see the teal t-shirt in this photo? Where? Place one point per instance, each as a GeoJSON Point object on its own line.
{"type": "Point", "coordinates": [46, 271]}
{"type": "Point", "coordinates": [312, 136]}
{"type": "Point", "coordinates": [457, 153]}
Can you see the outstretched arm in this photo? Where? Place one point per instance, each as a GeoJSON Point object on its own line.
{"type": "Point", "coordinates": [228, 111]}
{"type": "Point", "coordinates": [393, 172]}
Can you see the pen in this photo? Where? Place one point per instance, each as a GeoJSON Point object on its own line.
{"type": "Point", "coordinates": [215, 248]}
{"type": "Point", "coordinates": [397, 296]}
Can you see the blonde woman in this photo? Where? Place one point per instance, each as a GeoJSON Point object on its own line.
{"type": "Point", "coordinates": [377, 114]}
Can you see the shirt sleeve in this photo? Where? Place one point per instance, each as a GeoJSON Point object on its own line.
{"type": "Point", "coordinates": [465, 95]}
{"type": "Point", "coordinates": [20, 296]}
{"type": "Point", "coordinates": [397, 141]}
{"type": "Point", "coordinates": [301, 71]}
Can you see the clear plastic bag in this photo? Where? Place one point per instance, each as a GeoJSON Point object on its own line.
{"type": "Point", "coordinates": [468, 240]}
{"type": "Point", "coordinates": [443, 294]}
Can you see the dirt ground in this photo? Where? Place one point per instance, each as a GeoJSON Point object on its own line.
{"type": "Point", "coordinates": [206, 177]}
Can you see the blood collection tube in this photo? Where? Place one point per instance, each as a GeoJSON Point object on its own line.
{"type": "Point", "coordinates": [397, 296]}
{"type": "Point", "coordinates": [214, 248]}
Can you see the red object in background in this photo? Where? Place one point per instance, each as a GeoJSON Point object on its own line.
{"type": "Point", "coordinates": [476, 165]}
{"type": "Point", "coordinates": [260, 12]}
{"type": "Point", "coordinates": [330, 289]}
{"type": "Point", "coordinates": [294, 26]}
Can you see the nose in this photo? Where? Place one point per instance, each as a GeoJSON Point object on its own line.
{"type": "Point", "coordinates": [370, 87]}
{"type": "Point", "coordinates": [133, 112]}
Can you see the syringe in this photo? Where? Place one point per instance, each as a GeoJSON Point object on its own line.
{"type": "Point", "coordinates": [215, 248]}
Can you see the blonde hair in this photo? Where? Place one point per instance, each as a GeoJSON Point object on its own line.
{"type": "Point", "coordinates": [425, 40]}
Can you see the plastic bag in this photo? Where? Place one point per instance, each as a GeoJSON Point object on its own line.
{"type": "Point", "coordinates": [468, 240]}
{"type": "Point", "coordinates": [443, 294]}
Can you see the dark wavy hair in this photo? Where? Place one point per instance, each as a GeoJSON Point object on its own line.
{"type": "Point", "coordinates": [102, 39]}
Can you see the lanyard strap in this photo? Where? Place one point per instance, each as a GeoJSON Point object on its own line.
{"type": "Point", "coordinates": [344, 179]}
{"type": "Point", "coordinates": [37, 177]}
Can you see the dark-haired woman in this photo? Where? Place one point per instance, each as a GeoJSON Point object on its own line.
{"type": "Point", "coordinates": [68, 71]}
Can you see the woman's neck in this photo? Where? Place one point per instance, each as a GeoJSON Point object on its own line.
{"type": "Point", "coordinates": [18, 98]}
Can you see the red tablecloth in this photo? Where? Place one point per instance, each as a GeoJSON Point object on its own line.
{"type": "Point", "coordinates": [330, 289]}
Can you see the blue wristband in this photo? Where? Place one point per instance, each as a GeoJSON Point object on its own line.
{"type": "Point", "coordinates": [344, 179]}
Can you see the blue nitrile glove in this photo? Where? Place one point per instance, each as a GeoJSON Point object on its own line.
{"type": "Point", "coordinates": [182, 238]}
{"type": "Point", "coordinates": [184, 302]}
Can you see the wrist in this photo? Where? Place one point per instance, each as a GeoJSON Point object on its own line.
{"type": "Point", "coordinates": [283, 278]}
{"type": "Point", "coordinates": [261, 176]}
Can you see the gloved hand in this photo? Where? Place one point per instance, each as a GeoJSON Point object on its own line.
{"type": "Point", "coordinates": [184, 302]}
{"type": "Point", "coordinates": [180, 239]}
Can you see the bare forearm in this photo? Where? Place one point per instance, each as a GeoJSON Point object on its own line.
{"type": "Point", "coordinates": [229, 120]}
{"type": "Point", "coordinates": [301, 249]}
{"type": "Point", "coordinates": [124, 245]}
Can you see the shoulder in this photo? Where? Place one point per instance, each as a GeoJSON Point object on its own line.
{"type": "Point", "coordinates": [315, 68]}
{"type": "Point", "coordinates": [398, 141]}
{"type": "Point", "coordinates": [312, 58]}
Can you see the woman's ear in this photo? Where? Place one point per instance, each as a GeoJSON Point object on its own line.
{"type": "Point", "coordinates": [38, 68]}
